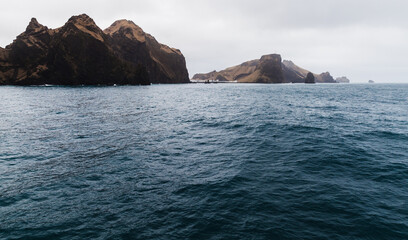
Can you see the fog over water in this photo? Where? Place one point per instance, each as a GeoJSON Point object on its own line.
{"type": "Point", "coordinates": [359, 39]}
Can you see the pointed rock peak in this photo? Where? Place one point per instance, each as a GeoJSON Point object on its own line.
{"type": "Point", "coordinates": [123, 23]}
{"type": "Point", "coordinates": [85, 24]}
{"type": "Point", "coordinates": [114, 27]}
{"type": "Point", "coordinates": [34, 26]}
{"type": "Point", "coordinates": [128, 29]}
{"type": "Point", "coordinates": [82, 19]}
{"type": "Point", "coordinates": [34, 22]}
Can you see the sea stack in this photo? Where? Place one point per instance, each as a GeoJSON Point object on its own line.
{"type": "Point", "coordinates": [80, 53]}
{"type": "Point", "coordinates": [310, 78]}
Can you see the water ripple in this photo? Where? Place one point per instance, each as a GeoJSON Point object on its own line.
{"type": "Point", "coordinates": [210, 161]}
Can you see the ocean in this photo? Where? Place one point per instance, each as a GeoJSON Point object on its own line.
{"type": "Point", "coordinates": [204, 161]}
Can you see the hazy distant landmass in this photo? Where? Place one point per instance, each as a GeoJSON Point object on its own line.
{"type": "Point", "coordinates": [342, 80]}
{"type": "Point", "coordinates": [81, 53]}
{"type": "Point", "coordinates": [267, 69]}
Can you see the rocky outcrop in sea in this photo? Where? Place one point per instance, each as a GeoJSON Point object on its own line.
{"type": "Point", "coordinates": [342, 80]}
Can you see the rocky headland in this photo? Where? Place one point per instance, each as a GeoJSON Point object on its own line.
{"type": "Point", "coordinates": [267, 69]}
{"type": "Point", "coordinates": [80, 53]}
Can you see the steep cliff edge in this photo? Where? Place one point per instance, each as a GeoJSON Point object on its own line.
{"type": "Point", "coordinates": [164, 64]}
{"type": "Point", "coordinates": [80, 53]}
{"type": "Point", "coordinates": [268, 70]}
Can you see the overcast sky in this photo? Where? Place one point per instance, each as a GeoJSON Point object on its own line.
{"type": "Point", "coordinates": [360, 39]}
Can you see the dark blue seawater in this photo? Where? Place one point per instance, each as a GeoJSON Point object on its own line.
{"type": "Point", "coordinates": [204, 161]}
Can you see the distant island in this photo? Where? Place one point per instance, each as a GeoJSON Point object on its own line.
{"type": "Point", "coordinates": [371, 81]}
{"type": "Point", "coordinates": [268, 69]}
{"type": "Point", "coordinates": [342, 80]}
{"type": "Point", "coordinates": [80, 53]}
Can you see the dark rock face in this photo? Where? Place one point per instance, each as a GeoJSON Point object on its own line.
{"type": "Point", "coordinates": [80, 53]}
{"type": "Point", "coordinates": [294, 73]}
{"type": "Point", "coordinates": [268, 69]}
{"type": "Point", "coordinates": [310, 78]}
{"type": "Point", "coordinates": [164, 64]}
{"type": "Point", "coordinates": [25, 59]}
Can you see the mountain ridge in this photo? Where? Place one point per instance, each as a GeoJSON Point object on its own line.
{"type": "Point", "coordinates": [81, 53]}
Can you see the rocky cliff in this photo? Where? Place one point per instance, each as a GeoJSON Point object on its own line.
{"type": "Point", "coordinates": [81, 53]}
{"type": "Point", "coordinates": [325, 78]}
{"type": "Point", "coordinates": [131, 43]}
{"type": "Point", "coordinates": [268, 69]}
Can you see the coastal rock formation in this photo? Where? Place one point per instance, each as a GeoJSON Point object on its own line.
{"type": "Point", "coordinates": [310, 78]}
{"type": "Point", "coordinates": [325, 78]}
{"type": "Point", "coordinates": [80, 53]}
{"type": "Point", "coordinates": [231, 74]}
{"type": "Point", "coordinates": [268, 69]}
{"type": "Point", "coordinates": [342, 80]}
{"type": "Point", "coordinates": [131, 43]}
{"type": "Point", "coordinates": [296, 74]}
